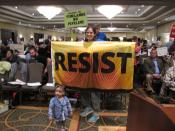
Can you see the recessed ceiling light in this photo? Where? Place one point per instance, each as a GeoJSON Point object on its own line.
{"type": "Point", "coordinates": [31, 36]}
{"type": "Point", "coordinates": [142, 6]}
{"type": "Point", "coordinates": [16, 7]}
{"type": "Point", "coordinates": [82, 29]}
{"type": "Point", "coordinates": [171, 18]}
{"type": "Point", "coordinates": [20, 36]}
{"type": "Point", "coordinates": [33, 14]}
{"type": "Point", "coordinates": [139, 9]}
{"type": "Point", "coordinates": [111, 28]}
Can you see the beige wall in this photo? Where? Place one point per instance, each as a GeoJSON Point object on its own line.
{"type": "Point", "coordinates": [150, 35]}
{"type": "Point", "coordinates": [27, 31]}
{"type": "Point", "coordinates": [163, 31]}
{"type": "Point", "coordinates": [125, 34]}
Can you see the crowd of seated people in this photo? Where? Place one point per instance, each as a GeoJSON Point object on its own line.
{"type": "Point", "coordinates": [34, 53]}
{"type": "Point", "coordinates": [147, 71]}
{"type": "Point", "coordinates": [159, 70]}
{"type": "Point", "coordinates": [39, 52]}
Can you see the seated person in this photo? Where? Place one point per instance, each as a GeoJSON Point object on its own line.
{"type": "Point", "coordinates": [39, 58]}
{"type": "Point", "coordinates": [169, 78]}
{"type": "Point", "coordinates": [169, 60]}
{"type": "Point", "coordinates": [16, 65]}
{"type": "Point", "coordinates": [10, 57]}
{"type": "Point", "coordinates": [154, 69]}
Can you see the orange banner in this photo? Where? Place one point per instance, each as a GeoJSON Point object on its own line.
{"type": "Point", "coordinates": [102, 65]}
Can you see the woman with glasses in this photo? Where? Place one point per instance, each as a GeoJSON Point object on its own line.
{"type": "Point", "coordinates": [90, 100]}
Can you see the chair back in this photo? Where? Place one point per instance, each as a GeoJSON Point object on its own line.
{"type": "Point", "coordinates": [49, 70]}
{"type": "Point", "coordinates": [4, 77]}
{"type": "Point", "coordinates": [35, 71]}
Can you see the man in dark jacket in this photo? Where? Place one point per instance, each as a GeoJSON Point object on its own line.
{"type": "Point", "coordinates": [154, 68]}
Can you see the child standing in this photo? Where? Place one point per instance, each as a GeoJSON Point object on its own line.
{"type": "Point", "coordinates": [59, 108]}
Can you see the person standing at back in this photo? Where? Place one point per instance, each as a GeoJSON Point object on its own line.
{"type": "Point", "coordinates": [100, 36]}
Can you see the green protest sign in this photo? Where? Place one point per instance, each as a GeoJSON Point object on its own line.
{"type": "Point", "coordinates": [75, 19]}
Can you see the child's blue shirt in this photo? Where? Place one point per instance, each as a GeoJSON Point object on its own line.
{"type": "Point", "coordinates": [59, 110]}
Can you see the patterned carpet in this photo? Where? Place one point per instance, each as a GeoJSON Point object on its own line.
{"type": "Point", "coordinates": [29, 118]}
{"type": "Point", "coordinates": [103, 121]}
{"type": "Point", "coordinates": [23, 119]}
{"type": "Point", "coordinates": [26, 120]}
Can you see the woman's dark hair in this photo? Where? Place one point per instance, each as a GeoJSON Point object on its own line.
{"type": "Point", "coordinates": [94, 30]}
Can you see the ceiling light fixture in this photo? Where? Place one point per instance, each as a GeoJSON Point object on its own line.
{"type": "Point", "coordinates": [31, 36]}
{"type": "Point", "coordinates": [142, 6]}
{"type": "Point", "coordinates": [111, 28]}
{"type": "Point", "coordinates": [20, 36]}
{"type": "Point", "coordinates": [82, 29]}
{"type": "Point", "coordinates": [49, 11]}
{"type": "Point", "coordinates": [109, 10]}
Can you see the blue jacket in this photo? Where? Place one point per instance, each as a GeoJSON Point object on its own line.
{"type": "Point", "coordinates": [56, 108]}
{"type": "Point", "coordinates": [101, 36]}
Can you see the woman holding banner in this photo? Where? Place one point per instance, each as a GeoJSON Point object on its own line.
{"type": "Point", "coordinates": [87, 97]}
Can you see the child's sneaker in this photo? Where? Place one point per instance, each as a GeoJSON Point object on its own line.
{"type": "Point", "coordinates": [94, 118]}
{"type": "Point", "coordinates": [86, 112]}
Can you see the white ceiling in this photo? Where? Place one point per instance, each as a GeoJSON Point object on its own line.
{"type": "Point", "coordinates": [132, 18]}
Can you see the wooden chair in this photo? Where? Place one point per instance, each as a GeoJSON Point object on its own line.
{"type": "Point", "coordinates": [144, 114]}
